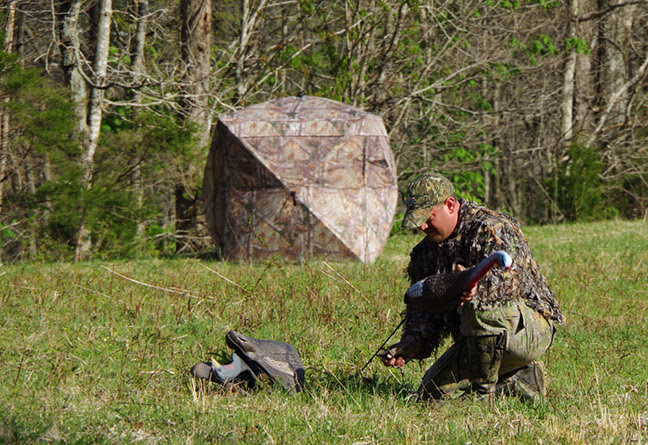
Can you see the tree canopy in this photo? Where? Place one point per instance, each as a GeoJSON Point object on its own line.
{"type": "Point", "coordinates": [536, 107]}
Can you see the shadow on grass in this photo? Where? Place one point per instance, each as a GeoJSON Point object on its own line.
{"type": "Point", "coordinates": [15, 430]}
{"type": "Point", "coordinates": [319, 381]}
{"type": "Point", "coordinates": [353, 383]}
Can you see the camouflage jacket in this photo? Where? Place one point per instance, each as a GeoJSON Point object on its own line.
{"type": "Point", "coordinates": [479, 232]}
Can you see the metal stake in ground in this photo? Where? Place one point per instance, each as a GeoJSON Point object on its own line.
{"type": "Point", "coordinates": [382, 346]}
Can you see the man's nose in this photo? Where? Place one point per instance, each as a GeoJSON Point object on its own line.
{"type": "Point", "coordinates": [423, 226]}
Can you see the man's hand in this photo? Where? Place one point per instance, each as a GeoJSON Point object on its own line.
{"type": "Point", "coordinates": [397, 355]}
{"type": "Point", "coordinates": [389, 360]}
{"type": "Point", "coordinates": [468, 294]}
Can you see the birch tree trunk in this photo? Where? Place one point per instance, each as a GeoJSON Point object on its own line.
{"type": "Point", "coordinates": [138, 71]}
{"type": "Point", "coordinates": [95, 114]}
{"type": "Point", "coordinates": [569, 75]}
{"type": "Point", "coordinates": [95, 107]}
{"type": "Point", "coordinates": [69, 11]}
{"type": "Point", "coordinates": [4, 115]}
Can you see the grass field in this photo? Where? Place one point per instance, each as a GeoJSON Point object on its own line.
{"type": "Point", "coordinates": [89, 355]}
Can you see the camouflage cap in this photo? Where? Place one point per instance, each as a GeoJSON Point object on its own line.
{"type": "Point", "coordinates": [422, 195]}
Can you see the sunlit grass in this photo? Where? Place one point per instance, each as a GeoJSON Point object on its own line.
{"type": "Point", "coordinates": [99, 352]}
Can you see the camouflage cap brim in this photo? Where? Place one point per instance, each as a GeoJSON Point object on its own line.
{"type": "Point", "coordinates": [414, 218]}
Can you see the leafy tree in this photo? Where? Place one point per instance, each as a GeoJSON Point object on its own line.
{"type": "Point", "coordinates": [579, 191]}
{"type": "Point", "coordinates": [41, 148]}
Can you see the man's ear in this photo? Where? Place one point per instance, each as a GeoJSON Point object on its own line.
{"type": "Point", "coordinates": [452, 204]}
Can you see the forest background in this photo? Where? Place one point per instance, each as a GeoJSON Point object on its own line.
{"type": "Point", "coordinates": [536, 107]}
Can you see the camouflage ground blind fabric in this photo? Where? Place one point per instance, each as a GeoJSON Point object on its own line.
{"type": "Point", "coordinates": [301, 177]}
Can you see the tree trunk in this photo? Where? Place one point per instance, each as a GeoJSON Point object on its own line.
{"type": "Point", "coordinates": [585, 75]}
{"type": "Point", "coordinates": [569, 73]}
{"type": "Point", "coordinates": [616, 34]}
{"type": "Point", "coordinates": [195, 43]}
{"type": "Point", "coordinates": [95, 107]}
{"type": "Point", "coordinates": [95, 114]}
{"type": "Point", "coordinates": [138, 70]}
{"type": "Point", "coordinates": [250, 14]}
{"type": "Point", "coordinates": [70, 46]}
{"type": "Point", "coordinates": [4, 115]}
{"type": "Point", "coordinates": [70, 49]}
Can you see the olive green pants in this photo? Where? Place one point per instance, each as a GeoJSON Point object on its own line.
{"type": "Point", "coordinates": [494, 343]}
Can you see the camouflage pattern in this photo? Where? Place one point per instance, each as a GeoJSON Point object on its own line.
{"type": "Point", "coordinates": [486, 364]}
{"type": "Point", "coordinates": [447, 379]}
{"type": "Point", "coordinates": [515, 309]}
{"type": "Point", "coordinates": [422, 195]}
{"type": "Point", "coordinates": [529, 383]}
{"type": "Point", "coordinates": [484, 360]}
{"type": "Point", "coordinates": [300, 177]}
{"type": "Point", "coordinates": [479, 232]}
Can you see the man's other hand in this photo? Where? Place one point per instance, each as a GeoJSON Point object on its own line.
{"type": "Point", "coordinates": [468, 294]}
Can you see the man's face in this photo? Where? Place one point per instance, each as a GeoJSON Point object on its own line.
{"type": "Point", "coordinates": [440, 224]}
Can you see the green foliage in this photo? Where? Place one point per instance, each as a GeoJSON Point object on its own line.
{"type": "Point", "coordinates": [151, 52]}
{"type": "Point", "coordinates": [507, 4]}
{"type": "Point", "coordinates": [397, 228]}
{"type": "Point", "coordinates": [5, 232]}
{"type": "Point", "coordinates": [161, 241]}
{"type": "Point", "coordinates": [8, 65]}
{"type": "Point", "coordinates": [159, 148]}
{"type": "Point", "coordinates": [469, 183]}
{"type": "Point", "coordinates": [42, 120]}
{"type": "Point", "coordinates": [500, 72]}
{"type": "Point", "coordinates": [577, 45]}
{"type": "Point", "coordinates": [152, 142]}
{"type": "Point", "coordinates": [306, 6]}
{"type": "Point", "coordinates": [542, 45]}
{"type": "Point", "coordinates": [504, 4]}
{"type": "Point", "coordinates": [42, 112]}
{"type": "Point", "coordinates": [481, 103]}
{"type": "Point", "coordinates": [537, 45]}
{"type": "Point", "coordinates": [578, 189]}
{"type": "Point", "coordinates": [546, 4]}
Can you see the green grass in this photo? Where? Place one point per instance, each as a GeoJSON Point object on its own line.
{"type": "Point", "coordinates": [89, 356]}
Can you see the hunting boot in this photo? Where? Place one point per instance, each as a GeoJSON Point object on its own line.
{"type": "Point", "coordinates": [484, 359]}
{"type": "Point", "coordinates": [529, 383]}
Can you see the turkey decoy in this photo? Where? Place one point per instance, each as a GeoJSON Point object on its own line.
{"type": "Point", "coordinates": [441, 292]}
{"type": "Point", "coordinates": [252, 359]}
